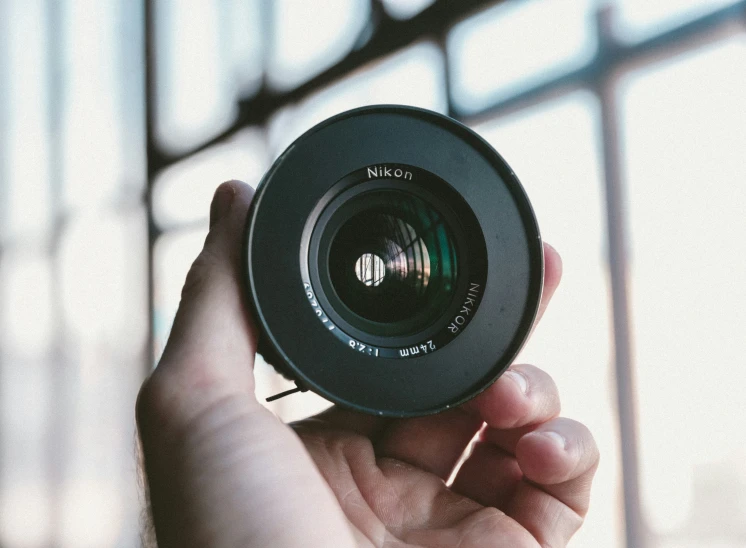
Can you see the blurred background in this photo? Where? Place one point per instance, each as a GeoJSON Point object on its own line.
{"type": "Point", "coordinates": [624, 119]}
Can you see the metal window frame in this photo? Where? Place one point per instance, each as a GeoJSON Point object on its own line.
{"type": "Point", "coordinates": [599, 75]}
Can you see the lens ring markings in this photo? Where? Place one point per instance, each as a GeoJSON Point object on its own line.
{"type": "Point", "coordinates": [378, 189]}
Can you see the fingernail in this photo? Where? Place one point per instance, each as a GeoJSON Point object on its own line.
{"type": "Point", "coordinates": [519, 379]}
{"type": "Point", "coordinates": [221, 202]}
{"type": "Point", "coordinates": [556, 438]}
{"type": "Point", "coordinates": [550, 246]}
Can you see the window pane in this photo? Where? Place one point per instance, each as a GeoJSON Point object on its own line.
{"type": "Point", "coordinates": [684, 138]}
{"type": "Point", "coordinates": [174, 253]}
{"type": "Point", "coordinates": [97, 501]}
{"type": "Point", "coordinates": [553, 149]}
{"type": "Point", "coordinates": [182, 194]}
{"type": "Point", "coordinates": [414, 76]}
{"type": "Point", "coordinates": [516, 45]}
{"type": "Point", "coordinates": [26, 502]}
{"type": "Point", "coordinates": [243, 19]}
{"type": "Point", "coordinates": [97, 169]}
{"type": "Point", "coordinates": [67, 424]}
{"type": "Point", "coordinates": [103, 278]}
{"type": "Point", "coordinates": [640, 19]}
{"type": "Point", "coordinates": [129, 80]}
{"type": "Point", "coordinates": [26, 317]}
{"type": "Point", "coordinates": [196, 93]}
{"type": "Point", "coordinates": [308, 37]}
{"type": "Point", "coordinates": [405, 9]}
{"type": "Point", "coordinates": [73, 304]}
{"type": "Point", "coordinates": [24, 134]}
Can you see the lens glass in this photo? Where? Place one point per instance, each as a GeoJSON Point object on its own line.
{"type": "Point", "coordinates": [394, 262]}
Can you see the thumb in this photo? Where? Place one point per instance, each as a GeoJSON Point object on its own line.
{"type": "Point", "coordinates": [221, 469]}
{"type": "Point", "coordinates": [211, 348]}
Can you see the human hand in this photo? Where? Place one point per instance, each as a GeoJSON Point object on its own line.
{"type": "Point", "coordinates": [223, 471]}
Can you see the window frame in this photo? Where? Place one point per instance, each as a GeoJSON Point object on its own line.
{"type": "Point", "coordinates": [614, 55]}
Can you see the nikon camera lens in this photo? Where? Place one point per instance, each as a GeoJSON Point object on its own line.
{"type": "Point", "coordinates": [393, 262]}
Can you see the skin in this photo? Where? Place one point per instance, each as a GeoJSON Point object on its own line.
{"type": "Point", "coordinates": [223, 471]}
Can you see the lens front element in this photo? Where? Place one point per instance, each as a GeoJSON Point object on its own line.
{"type": "Point", "coordinates": [393, 262]}
{"type": "Point", "coordinates": [390, 262]}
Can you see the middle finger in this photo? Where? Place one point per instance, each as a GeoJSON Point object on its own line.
{"type": "Point", "coordinates": [523, 395]}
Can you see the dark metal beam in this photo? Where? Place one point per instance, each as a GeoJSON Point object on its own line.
{"type": "Point", "coordinates": [389, 36]}
{"type": "Point", "coordinates": [60, 412]}
{"type": "Point", "coordinates": [153, 167]}
{"type": "Point", "coordinates": [604, 86]}
{"type": "Point", "coordinates": [609, 58]}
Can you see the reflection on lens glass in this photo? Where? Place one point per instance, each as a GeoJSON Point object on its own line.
{"type": "Point", "coordinates": [370, 269]}
{"type": "Point", "coordinates": [394, 261]}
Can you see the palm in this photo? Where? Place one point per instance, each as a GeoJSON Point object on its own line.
{"type": "Point", "coordinates": [389, 477]}
{"type": "Point", "coordinates": [517, 488]}
{"type": "Point", "coordinates": [223, 471]}
{"type": "Point", "coordinates": [391, 503]}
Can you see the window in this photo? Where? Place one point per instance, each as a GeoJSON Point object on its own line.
{"type": "Point", "coordinates": [566, 191]}
{"type": "Point", "coordinates": [73, 270]}
{"type": "Point", "coordinates": [106, 177]}
{"type": "Point", "coordinates": [686, 198]}
{"type": "Point", "coordinates": [514, 45]}
{"type": "Point", "coordinates": [414, 76]}
{"type": "Point", "coordinates": [640, 19]}
{"type": "Point", "coordinates": [308, 37]}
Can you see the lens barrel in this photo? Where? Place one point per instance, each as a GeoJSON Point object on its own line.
{"type": "Point", "coordinates": [393, 262]}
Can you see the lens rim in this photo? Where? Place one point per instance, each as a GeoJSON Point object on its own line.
{"type": "Point", "coordinates": [389, 333]}
{"type": "Point", "coordinates": [290, 329]}
{"type": "Point", "coordinates": [317, 242]}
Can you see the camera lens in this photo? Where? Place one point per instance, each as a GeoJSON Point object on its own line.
{"type": "Point", "coordinates": [393, 262]}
